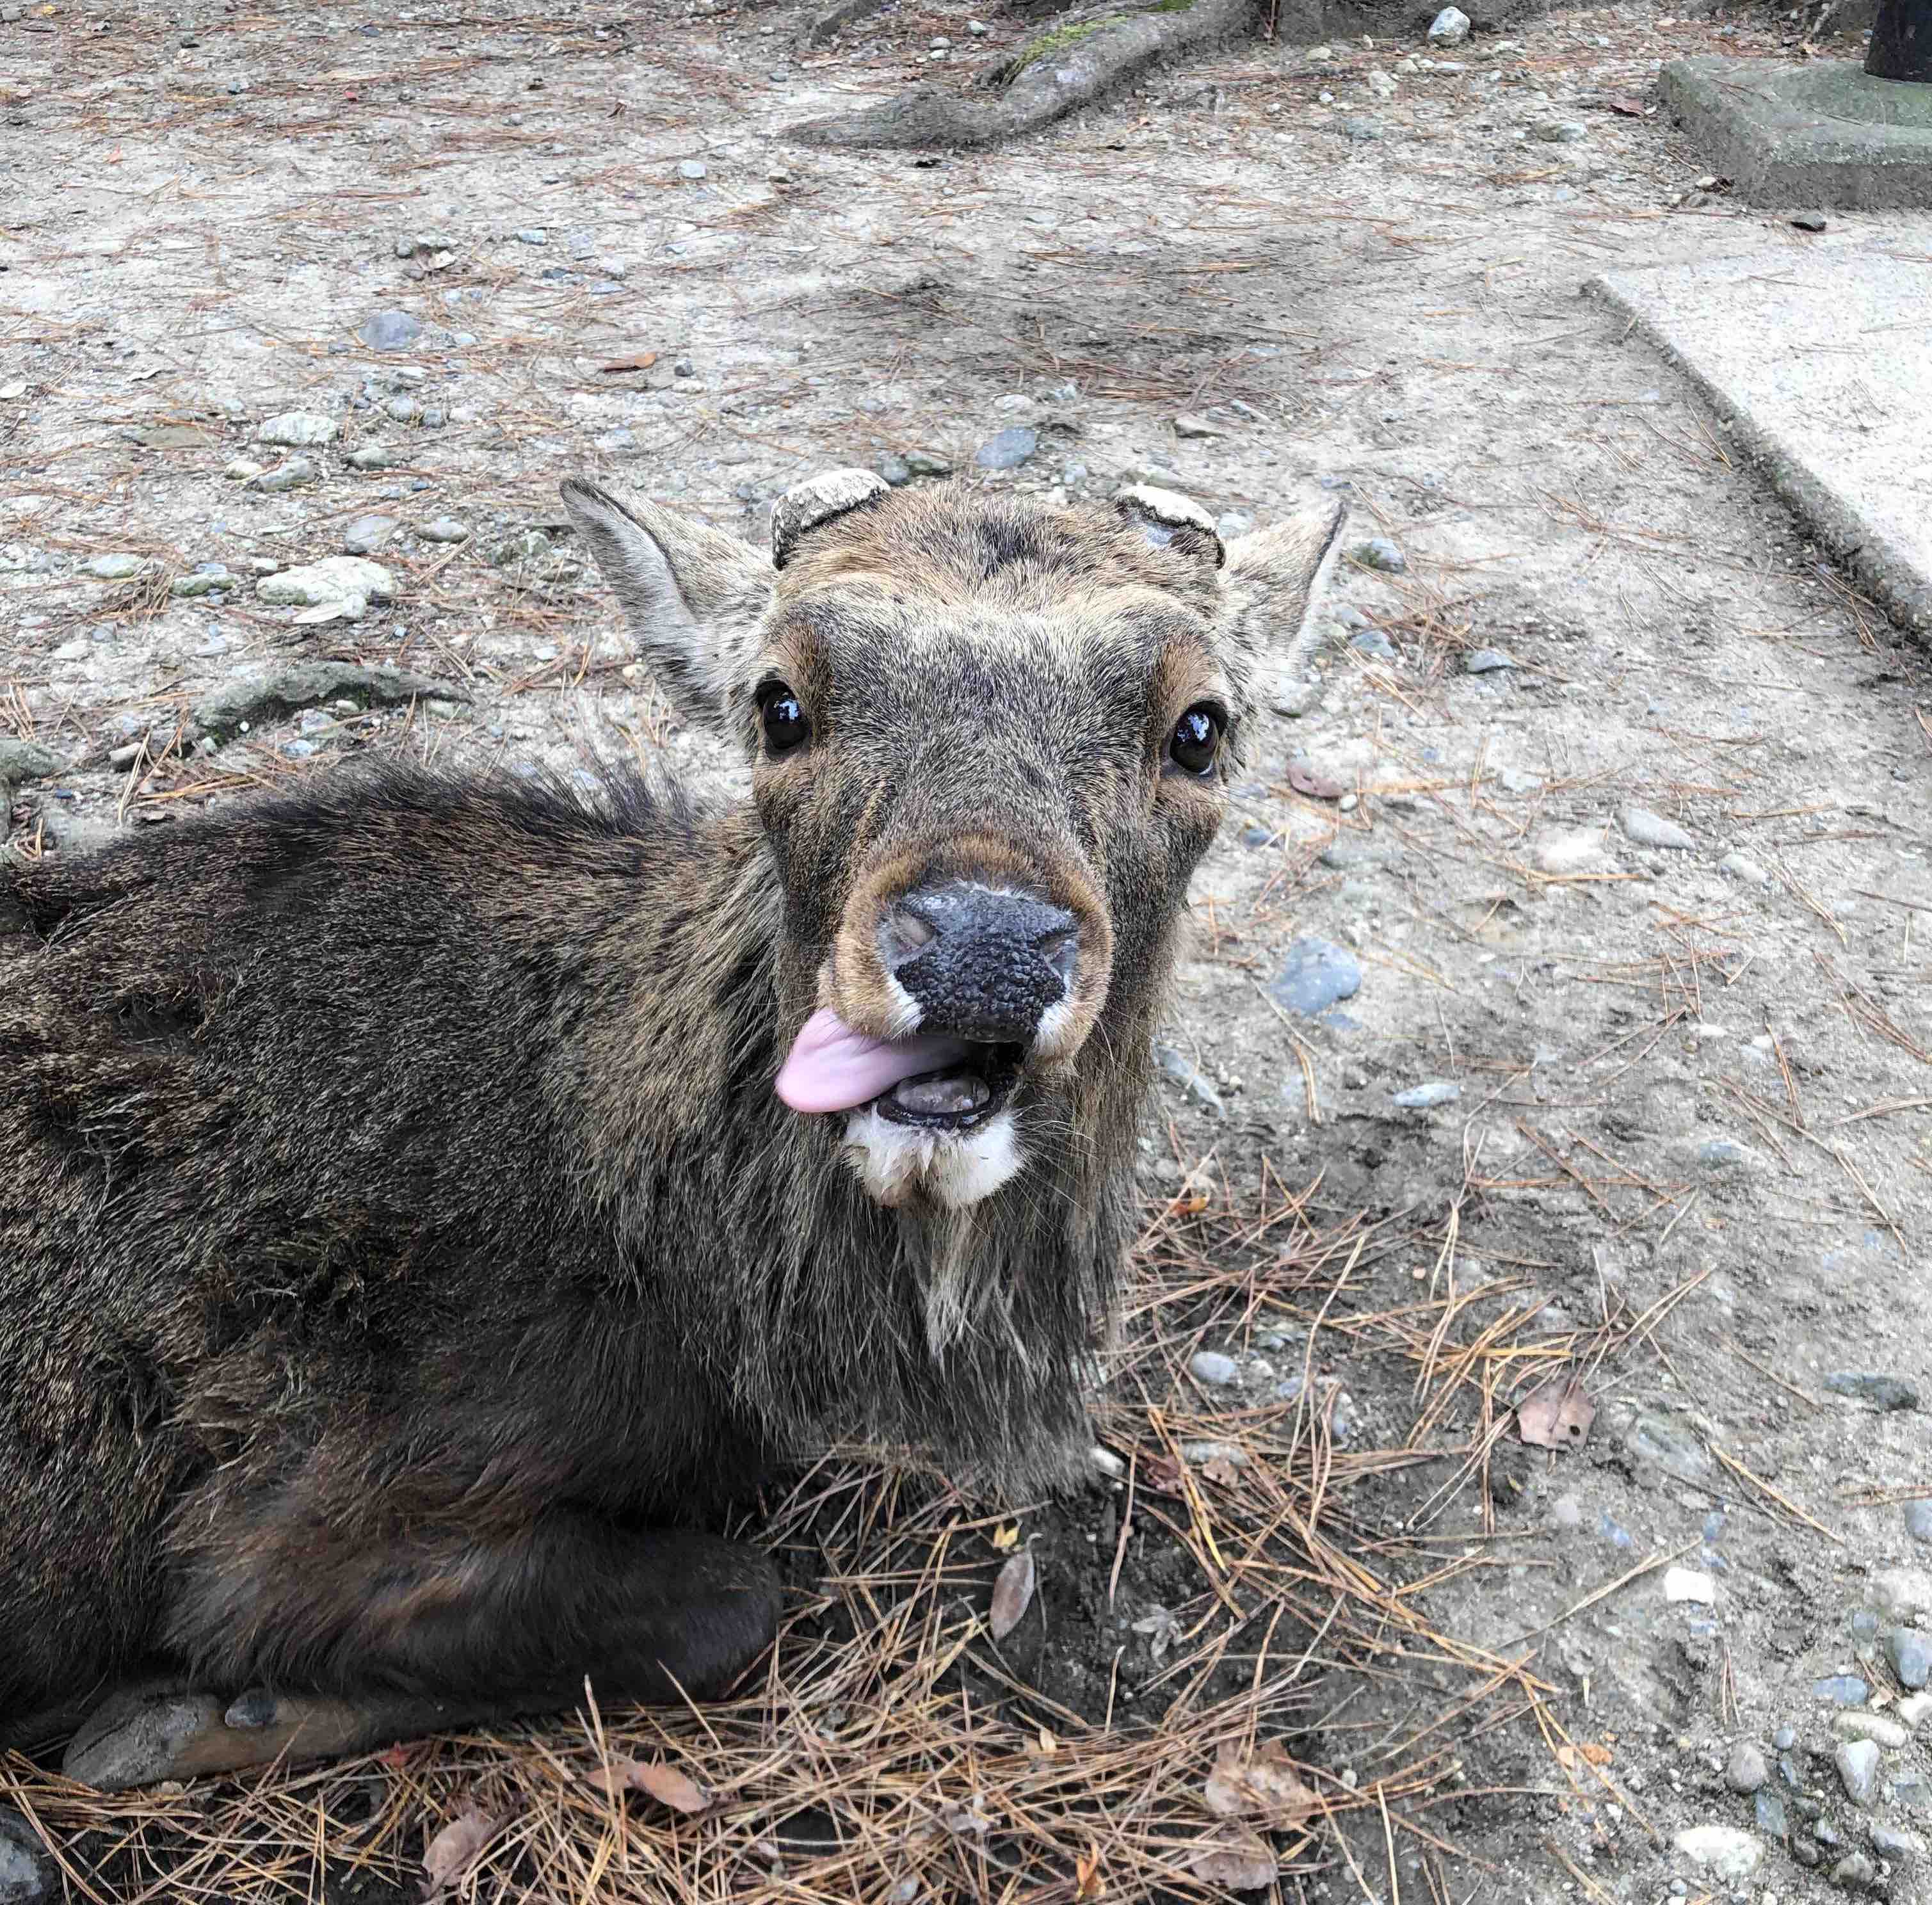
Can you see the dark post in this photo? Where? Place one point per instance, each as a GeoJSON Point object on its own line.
{"type": "Point", "coordinates": [1901, 41]}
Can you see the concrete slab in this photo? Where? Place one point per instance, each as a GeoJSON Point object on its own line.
{"type": "Point", "coordinates": [1823, 133]}
{"type": "Point", "coordinates": [1822, 362]}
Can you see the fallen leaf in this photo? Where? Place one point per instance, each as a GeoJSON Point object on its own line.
{"type": "Point", "coordinates": [1557, 1415]}
{"type": "Point", "coordinates": [1088, 1884]}
{"type": "Point", "coordinates": [1235, 1857]}
{"type": "Point", "coordinates": [1265, 1785]}
{"type": "Point", "coordinates": [1220, 1473]}
{"type": "Point", "coordinates": [642, 361]}
{"type": "Point", "coordinates": [1162, 1474]}
{"type": "Point", "coordinates": [1048, 1745]}
{"type": "Point", "coordinates": [664, 1783]}
{"type": "Point", "coordinates": [456, 1848]}
{"type": "Point", "coordinates": [1012, 1594]}
{"type": "Point", "coordinates": [1569, 1757]}
{"type": "Point", "coordinates": [1007, 1536]}
{"type": "Point", "coordinates": [1317, 786]}
{"type": "Point", "coordinates": [1631, 109]}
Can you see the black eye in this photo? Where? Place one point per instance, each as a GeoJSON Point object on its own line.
{"type": "Point", "coordinates": [1196, 740]}
{"type": "Point", "coordinates": [786, 726]}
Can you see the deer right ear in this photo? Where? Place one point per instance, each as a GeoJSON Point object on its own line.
{"type": "Point", "coordinates": [693, 595]}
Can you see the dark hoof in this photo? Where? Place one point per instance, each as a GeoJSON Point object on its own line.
{"type": "Point", "coordinates": [28, 1876]}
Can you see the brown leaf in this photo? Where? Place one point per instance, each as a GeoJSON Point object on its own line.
{"type": "Point", "coordinates": [1317, 786]}
{"type": "Point", "coordinates": [1631, 109]}
{"type": "Point", "coordinates": [1588, 1753]}
{"type": "Point", "coordinates": [1007, 1536]}
{"type": "Point", "coordinates": [1012, 1593]}
{"type": "Point", "coordinates": [642, 361]}
{"type": "Point", "coordinates": [1162, 1473]}
{"type": "Point", "coordinates": [1220, 1473]}
{"type": "Point", "coordinates": [456, 1848]}
{"type": "Point", "coordinates": [1557, 1415]}
{"type": "Point", "coordinates": [664, 1783]}
{"type": "Point", "coordinates": [1234, 1857]}
{"type": "Point", "coordinates": [1263, 1786]}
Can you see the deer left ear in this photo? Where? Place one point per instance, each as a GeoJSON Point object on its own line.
{"type": "Point", "coordinates": [1273, 579]}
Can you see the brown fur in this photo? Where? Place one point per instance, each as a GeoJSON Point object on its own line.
{"type": "Point", "coordinates": [402, 1255]}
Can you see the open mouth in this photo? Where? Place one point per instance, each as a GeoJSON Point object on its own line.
{"type": "Point", "coordinates": [958, 1096]}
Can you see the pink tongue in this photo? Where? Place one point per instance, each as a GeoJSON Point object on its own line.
{"type": "Point", "coordinates": [832, 1068]}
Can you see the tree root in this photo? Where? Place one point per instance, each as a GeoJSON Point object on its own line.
{"type": "Point", "coordinates": [1066, 66]}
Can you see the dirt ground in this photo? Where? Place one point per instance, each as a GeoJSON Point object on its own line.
{"type": "Point", "coordinates": [1683, 1133]}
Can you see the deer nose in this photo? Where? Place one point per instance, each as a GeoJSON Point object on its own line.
{"type": "Point", "coordinates": [981, 963]}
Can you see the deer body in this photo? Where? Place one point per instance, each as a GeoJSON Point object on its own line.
{"type": "Point", "coordinates": [404, 1254]}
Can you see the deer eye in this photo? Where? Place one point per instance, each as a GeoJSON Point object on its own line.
{"type": "Point", "coordinates": [1196, 739]}
{"type": "Point", "coordinates": [786, 726]}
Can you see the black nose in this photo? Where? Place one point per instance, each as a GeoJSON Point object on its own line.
{"type": "Point", "coordinates": [982, 963]}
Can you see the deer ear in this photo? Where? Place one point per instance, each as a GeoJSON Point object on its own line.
{"type": "Point", "coordinates": [693, 595]}
{"type": "Point", "coordinates": [1168, 519]}
{"type": "Point", "coordinates": [1269, 588]}
{"type": "Point", "coordinates": [809, 506]}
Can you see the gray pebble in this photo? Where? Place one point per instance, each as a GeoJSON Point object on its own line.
{"type": "Point", "coordinates": [27, 1875]}
{"type": "Point", "coordinates": [1909, 1650]}
{"type": "Point", "coordinates": [116, 568]}
{"type": "Point", "coordinates": [1381, 553]}
{"type": "Point", "coordinates": [1560, 132]}
{"type": "Point", "coordinates": [1857, 1762]}
{"type": "Point", "coordinates": [524, 547]}
{"type": "Point", "coordinates": [1192, 423]}
{"type": "Point", "coordinates": [370, 456]}
{"type": "Point", "coordinates": [1372, 642]}
{"type": "Point", "coordinates": [1745, 1771]}
{"type": "Point", "coordinates": [25, 760]}
{"type": "Point", "coordinates": [1007, 450]}
{"type": "Point", "coordinates": [390, 330]}
{"type": "Point", "coordinates": [1725, 1154]}
{"type": "Point", "coordinates": [1883, 1392]}
{"type": "Point", "coordinates": [1785, 1738]}
{"type": "Point", "coordinates": [1842, 1690]}
{"type": "Point", "coordinates": [1487, 662]}
{"type": "Point", "coordinates": [1856, 1872]}
{"type": "Point", "coordinates": [368, 534]}
{"type": "Point", "coordinates": [1450, 28]}
{"type": "Point", "coordinates": [1891, 1843]}
{"type": "Point", "coordinates": [691, 169]}
{"type": "Point", "coordinates": [1742, 866]}
{"type": "Point", "coordinates": [1918, 1519]}
{"type": "Point", "coordinates": [1188, 1076]}
{"type": "Point", "coordinates": [404, 408]}
{"type": "Point", "coordinates": [1649, 829]}
{"type": "Point", "coordinates": [1317, 975]}
{"type": "Point", "coordinates": [895, 469]}
{"type": "Point", "coordinates": [299, 430]}
{"type": "Point", "coordinates": [445, 529]}
{"type": "Point", "coordinates": [927, 463]}
{"type": "Point", "coordinates": [1211, 1367]}
{"type": "Point", "coordinates": [1768, 1810]}
{"type": "Point", "coordinates": [533, 235]}
{"type": "Point", "coordinates": [1421, 1097]}
{"type": "Point", "coordinates": [1361, 132]}
{"type": "Point", "coordinates": [208, 579]}
{"type": "Point", "coordinates": [289, 476]}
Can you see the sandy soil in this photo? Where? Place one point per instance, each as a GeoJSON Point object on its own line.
{"type": "Point", "coordinates": [1693, 1082]}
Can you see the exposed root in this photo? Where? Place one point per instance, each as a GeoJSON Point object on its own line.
{"type": "Point", "coordinates": [1070, 65]}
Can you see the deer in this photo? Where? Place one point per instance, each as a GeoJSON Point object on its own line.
{"type": "Point", "coordinates": [432, 1202]}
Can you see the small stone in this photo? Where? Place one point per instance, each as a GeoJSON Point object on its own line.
{"type": "Point", "coordinates": [445, 529]}
{"type": "Point", "coordinates": [1880, 1728]}
{"type": "Point", "coordinates": [1857, 1762]}
{"type": "Point", "coordinates": [390, 330]}
{"type": "Point", "coordinates": [1487, 662]}
{"type": "Point", "coordinates": [1728, 1851]}
{"type": "Point", "coordinates": [1318, 974]}
{"type": "Point", "coordinates": [206, 580]}
{"type": "Point", "coordinates": [1191, 423]}
{"type": "Point", "coordinates": [1883, 1392]}
{"type": "Point", "coordinates": [25, 760]}
{"type": "Point", "coordinates": [298, 430]}
{"type": "Point", "coordinates": [1909, 1650]}
{"type": "Point", "coordinates": [1742, 866]}
{"type": "Point", "coordinates": [240, 470]}
{"type": "Point", "coordinates": [1423, 1097]}
{"type": "Point", "coordinates": [1362, 132]}
{"type": "Point", "coordinates": [1809, 221]}
{"type": "Point", "coordinates": [1915, 1710]}
{"type": "Point", "coordinates": [1842, 1690]}
{"type": "Point", "coordinates": [1384, 85]}
{"type": "Point", "coordinates": [1889, 1843]}
{"type": "Point", "coordinates": [1211, 1367]}
{"type": "Point", "coordinates": [1450, 28]}
{"type": "Point", "coordinates": [1569, 852]}
{"type": "Point", "coordinates": [1725, 1154]}
{"type": "Point", "coordinates": [526, 546]}
{"type": "Point", "coordinates": [368, 534]}
{"type": "Point", "coordinates": [293, 475]}
{"type": "Point", "coordinates": [1918, 1518]}
{"type": "Point", "coordinates": [1649, 829]}
{"type": "Point", "coordinates": [1379, 552]}
{"type": "Point", "coordinates": [927, 463]}
{"type": "Point", "coordinates": [403, 409]}
{"type": "Point", "coordinates": [1856, 1872]}
{"type": "Point", "coordinates": [116, 568]}
{"type": "Point", "coordinates": [978, 29]}
{"type": "Point", "coordinates": [1199, 1454]}
{"type": "Point", "coordinates": [1189, 1076]}
{"type": "Point", "coordinates": [1903, 1592]}
{"type": "Point", "coordinates": [1745, 1771]}
{"type": "Point", "coordinates": [28, 1877]}
{"type": "Point", "coordinates": [1006, 450]}
{"type": "Point", "coordinates": [334, 579]}
{"type": "Point", "coordinates": [895, 469]}
{"type": "Point", "coordinates": [1688, 1584]}
{"type": "Point", "coordinates": [1560, 132]}
{"type": "Point", "coordinates": [370, 456]}
{"type": "Point", "coordinates": [1768, 1809]}
{"type": "Point", "coordinates": [692, 169]}
{"type": "Point", "coordinates": [532, 235]}
{"type": "Point", "coordinates": [1785, 1738]}
{"type": "Point", "coordinates": [1372, 643]}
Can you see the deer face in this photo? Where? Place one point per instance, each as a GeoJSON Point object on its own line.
{"type": "Point", "coordinates": [990, 742]}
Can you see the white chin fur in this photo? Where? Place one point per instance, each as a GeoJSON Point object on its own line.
{"type": "Point", "coordinates": [898, 1163]}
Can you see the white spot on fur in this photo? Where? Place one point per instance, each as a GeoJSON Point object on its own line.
{"type": "Point", "coordinates": [902, 1019]}
{"type": "Point", "coordinates": [1052, 1038]}
{"type": "Point", "coordinates": [897, 1162]}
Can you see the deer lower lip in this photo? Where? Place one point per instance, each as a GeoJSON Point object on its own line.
{"type": "Point", "coordinates": [957, 1098]}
